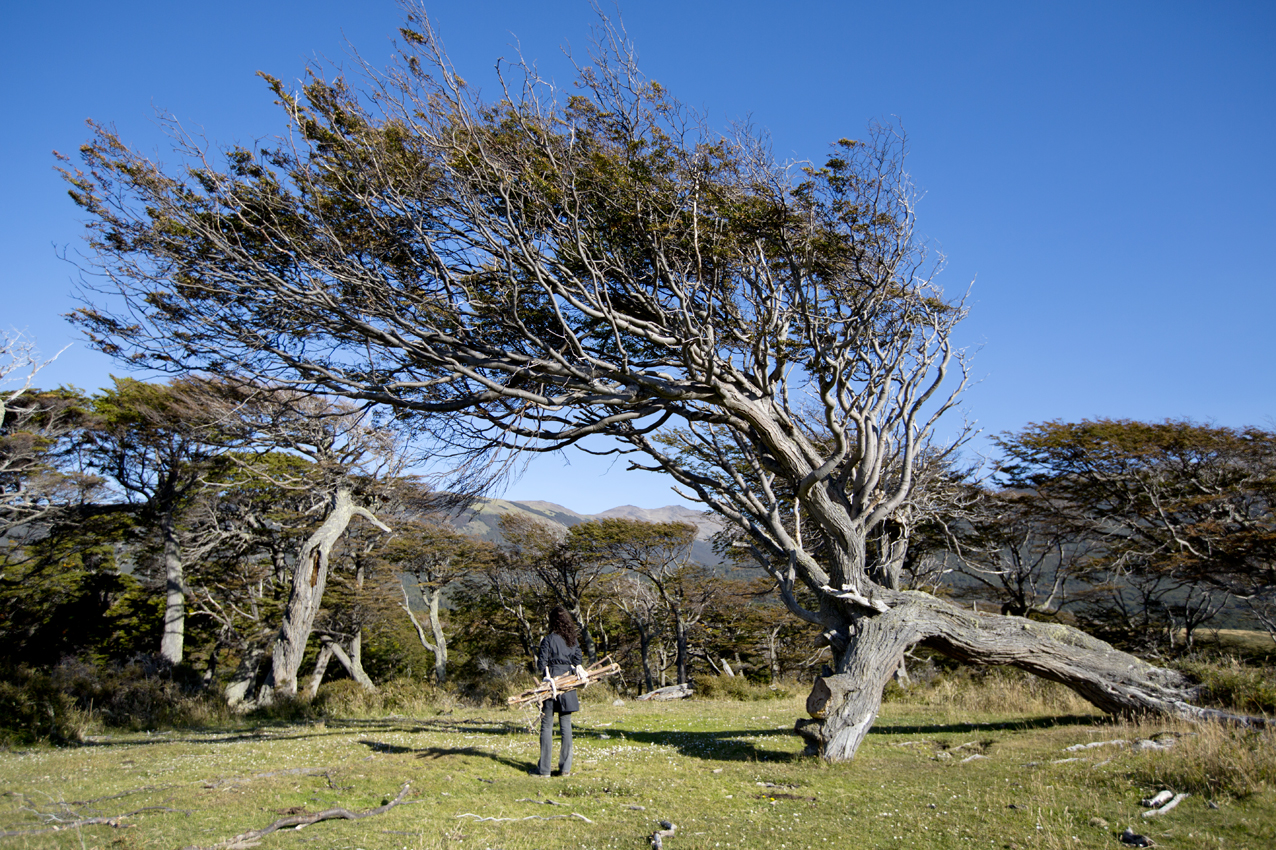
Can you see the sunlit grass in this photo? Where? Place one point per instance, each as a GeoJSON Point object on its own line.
{"type": "Point", "coordinates": [728, 773]}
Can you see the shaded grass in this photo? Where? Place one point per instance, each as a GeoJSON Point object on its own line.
{"type": "Point", "coordinates": [729, 773]}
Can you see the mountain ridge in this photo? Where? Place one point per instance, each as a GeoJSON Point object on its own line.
{"type": "Point", "coordinates": [482, 519]}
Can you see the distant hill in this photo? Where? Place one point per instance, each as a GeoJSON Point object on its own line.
{"type": "Point", "coordinates": [481, 520]}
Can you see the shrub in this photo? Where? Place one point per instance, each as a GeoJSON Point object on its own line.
{"type": "Point", "coordinates": [137, 694]}
{"type": "Point", "coordinates": [33, 709]}
{"type": "Point", "coordinates": [1233, 685]}
{"type": "Point", "coordinates": [495, 682]}
{"type": "Point", "coordinates": [736, 688]}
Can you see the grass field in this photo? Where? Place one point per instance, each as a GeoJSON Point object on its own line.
{"type": "Point", "coordinates": [943, 772]}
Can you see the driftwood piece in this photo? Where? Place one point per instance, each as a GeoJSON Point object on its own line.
{"type": "Point", "coordinates": [1152, 813]}
{"type": "Point", "coordinates": [251, 838]}
{"type": "Point", "coordinates": [671, 692]}
{"type": "Point", "coordinates": [565, 682]}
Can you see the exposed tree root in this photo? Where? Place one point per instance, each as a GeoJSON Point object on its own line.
{"type": "Point", "coordinates": [252, 837]}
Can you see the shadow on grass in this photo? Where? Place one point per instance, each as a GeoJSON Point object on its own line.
{"type": "Point", "coordinates": [727, 745]}
{"type": "Point", "coordinates": [1019, 725]}
{"type": "Point", "coordinates": [316, 729]}
{"type": "Point", "coordinates": [443, 752]}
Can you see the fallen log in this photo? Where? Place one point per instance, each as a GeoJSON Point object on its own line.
{"type": "Point", "coordinates": [671, 692]}
{"type": "Point", "coordinates": [565, 682]}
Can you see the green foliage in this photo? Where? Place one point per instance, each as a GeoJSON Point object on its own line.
{"type": "Point", "coordinates": [63, 596]}
{"type": "Point", "coordinates": [138, 695]}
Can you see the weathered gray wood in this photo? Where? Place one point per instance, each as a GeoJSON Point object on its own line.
{"type": "Point", "coordinates": [845, 705]}
{"type": "Point", "coordinates": [310, 578]}
{"type": "Point", "coordinates": [681, 691]}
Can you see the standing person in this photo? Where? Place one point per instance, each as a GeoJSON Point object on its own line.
{"type": "Point", "coordinates": [559, 653]}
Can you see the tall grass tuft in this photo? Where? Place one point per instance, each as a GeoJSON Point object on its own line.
{"type": "Point", "coordinates": [990, 690]}
{"type": "Point", "coordinates": [1211, 760]}
{"type": "Point", "coordinates": [1231, 684]}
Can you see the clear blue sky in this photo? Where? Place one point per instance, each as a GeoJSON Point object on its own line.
{"type": "Point", "coordinates": [1104, 172]}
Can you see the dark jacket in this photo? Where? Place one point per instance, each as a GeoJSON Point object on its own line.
{"type": "Point", "coordinates": [556, 657]}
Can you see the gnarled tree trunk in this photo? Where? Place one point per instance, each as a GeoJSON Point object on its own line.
{"type": "Point", "coordinates": [845, 705]}
{"type": "Point", "coordinates": [310, 577]}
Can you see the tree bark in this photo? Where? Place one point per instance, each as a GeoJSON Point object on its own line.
{"type": "Point", "coordinates": [321, 667]}
{"type": "Point", "coordinates": [845, 705]}
{"type": "Point", "coordinates": [172, 643]}
{"type": "Point", "coordinates": [309, 578]}
{"type": "Point", "coordinates": [351, 661]}
{"type": "Point", "coordinates": [241, 684]}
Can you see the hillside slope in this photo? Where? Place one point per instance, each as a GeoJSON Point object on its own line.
{"type": "Point", "coordinates": [482, 519]}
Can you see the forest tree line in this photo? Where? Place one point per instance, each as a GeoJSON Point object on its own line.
{"type": "Point", "coordinates": [260, 541]}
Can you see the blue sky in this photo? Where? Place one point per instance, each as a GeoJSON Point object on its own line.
{"type": "Point", "coordinates": [1104, 172]}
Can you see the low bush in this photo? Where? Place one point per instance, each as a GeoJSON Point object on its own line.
{"type": "Point", "coordinates": [34, 710]}
{"type": "Point", "coordinates": [138, 694]}
{"type": "Point", "coordinates": [1230, 684]}
{"type": "Point", "coordinates": [736, 688]}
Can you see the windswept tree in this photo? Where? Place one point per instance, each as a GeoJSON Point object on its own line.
{"type": "Point", "coordinates": [157, 443]}
{"type": "Point", "coordinates": [1181, 514]}
{"type": "Point", "coordinates": [659, 552]}
{"type": "Point", "coordinates": [538, 269]}
{"type": "Point", "coordinates": [561, 565]}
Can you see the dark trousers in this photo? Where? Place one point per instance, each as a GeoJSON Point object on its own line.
{"type": "Point", "coordinates": [548, 710]}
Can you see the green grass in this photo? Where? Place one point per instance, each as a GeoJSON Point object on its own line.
{"type": "Point", "coordinates": [728, 773]}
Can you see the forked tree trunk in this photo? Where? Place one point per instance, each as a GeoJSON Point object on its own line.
{"type": "Point", "coordinates": [240, 687]}
{"type": "Point", "coordinates": [309, 578]}
{"type": "Point", "coordinates": [438, 648]}
{"type": "Point", "coordinates": [845, 705]}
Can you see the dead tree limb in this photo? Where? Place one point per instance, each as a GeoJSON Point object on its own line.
{"type": "Point", "coordinates": [565, 682]}
{"type": "Point", "coordinates": [250, 838]}
{"type": "Point", "coordinates": [115, 821]}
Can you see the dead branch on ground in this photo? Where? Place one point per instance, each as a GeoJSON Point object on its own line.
{"type": "Point", "coordinates": [250, 838]}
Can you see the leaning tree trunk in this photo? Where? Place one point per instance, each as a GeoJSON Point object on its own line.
{"type": "Point", "coordinates": [352, 661]}
{"type": "Point", "coordinates": [172, 642]}
{"type": "Point", "coordinates": [845, 705]}
{"type": "Point", "coordinates": [309, 578]}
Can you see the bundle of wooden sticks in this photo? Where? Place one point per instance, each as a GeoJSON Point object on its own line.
{"type": "Point", "coordinates": [565, 682]}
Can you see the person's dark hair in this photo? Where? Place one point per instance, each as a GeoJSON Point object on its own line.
{"type": "Point", "coordinates": [561, 623]}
